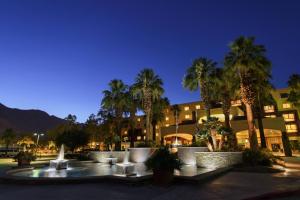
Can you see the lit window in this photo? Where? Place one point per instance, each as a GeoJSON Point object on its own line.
{"type": "Point", "coordinates": [156, 134]}
{"type": "Point", "coordinates": [236, 103]}
{"type": "Point", "coordinates": [269, 108]}
{"type": "Point", "coordinates": [289, 117]}
{"type": "Point", "coordinates": [138, 119]}
{"type": "Point", "coordinates": [291, 128]}
{"type": "Point", "coordinates": [167, 125]}
{"type": "Point", "coordinates": [286, 105]}
{"type": "Point", "coordinates": [167, 118]}
{"type": "Point", "coordinates": [187, 116]}
{"type": "Point", "coordinates": [157, 127]}
{"type": "Point", "coordinates": [125, 132]}
{"type": "Point", "coordinates": [198, 107]}
{"type": "Point", "coordinates": [271, 116]}
{"type": "Point", "coordinates": [145, 131]}
{"type": "Point", "coordinates": [186, 108]}
{"type": "Point", "coordinates": [138, 138]}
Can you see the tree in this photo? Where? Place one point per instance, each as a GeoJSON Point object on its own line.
{"type": "Point", "coordinates": [73, 139]}
{"type": "Point", "coordinates": [294, 84]}
{"type": "Point", "coordinates": [148, 87]}
{"type": "Point", "coordinates": [158, 113]}
{"type": "Point", "coordinates": [133, 104]}
{"type": "Point", "coordinates": [248, 60]}
{"type": "Point", "coordinates": [263, 97]}
{"type": "Point", "coordinates": [115, 100]}
{"type": "Point", "coordinates": [224, 91]}
{"type": "Point", "coordinates": [92, 127]}
{"type": "Point", "coordinates": [198, 76]}
{"type": "Point", "coordinates": [8, 138]}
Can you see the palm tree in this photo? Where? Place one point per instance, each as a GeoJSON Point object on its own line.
{"type": "Point", "coordinates": [115, 100]}
{"type": "Point", "coordinates": [294, 84]}
{"type": "Point", "coordinates": [248, 60]}
{"type": "Point", "coordinates": [224, 91]}
{"type": "Point", "coordinates": [263, 97]}
{"type": "Point", "coordinates": [8, 138]}
{"type": "Point", "coordinates": [158, 114]}
{"type": "Point", "coordinates": [198, 76]}
{"type": "Point", "coordinates": [148, 88]}
{"type": "Point", "coordinates": [133, 104]}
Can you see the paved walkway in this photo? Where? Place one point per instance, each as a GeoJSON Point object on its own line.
{"type": "Point", "coordinates": [233, 185]}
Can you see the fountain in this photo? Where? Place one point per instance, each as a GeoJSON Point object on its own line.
{"type": "Point", "coordinates": [60, 162]}
{"type": "Point", "coordinates": [126, 167]}
{"type": "Point", "coordinates": [111, 159]}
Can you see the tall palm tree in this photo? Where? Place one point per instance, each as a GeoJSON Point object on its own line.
{"type": "Point", "coordinates": [224, 91]}
{"type": "Point", "coordinates": [148, 87]}
{"type": "Point", "coordinates": [263, 97]}
{"type": "Point", "coordinates": [158, 114]}
{"type": "Point", "coordinates": [248, 60]}
{"type": "Point", "coordinates": [198, 76]}
{"type": "Point", "coordinates": [114, 99]}
{"type": "Point", "coordinates": [133, 104]}
{"type": "Point", "coordinates": [294, 84]}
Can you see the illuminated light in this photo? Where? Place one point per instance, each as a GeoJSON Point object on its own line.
{"type": "Point", "coordinates": [125, 132]}
{"type": "Point", "coordinates": [138, 137]}
{"type": "Point", "coordinates": [291, 128]}
{"type": "Point", "coordinates": [187, 116]}
{"type": "Point", "coordinates": [186, 108]}
{"type": "Point", "coordinates": [167, 125]}
{"type": "Point", "coordinates": [167, 118]}
{"type": "Point", "coordinates": [286, 105]}
{"type": "Point", "coordinates": [145, 131]}
{"type": "Point", "coordinates": [198, 107]}
{"type": "Point", "coordinates": [269, 108]}
{"type": "Point", "coordinates": [138, 119]}
{"type": "Point", "coordinates": [289, 117]}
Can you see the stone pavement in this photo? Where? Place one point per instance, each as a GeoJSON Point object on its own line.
{"type": "Point", "coordinates": [231, 186]}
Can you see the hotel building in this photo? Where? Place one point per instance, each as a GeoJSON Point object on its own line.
{"type": "Point", "coordinates": [280, 118]}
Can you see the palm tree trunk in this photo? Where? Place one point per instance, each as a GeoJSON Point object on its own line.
{"type": "Point", "coordinates": [261, 131]}
{"type": "Point", "coordinates": [154, 131]}
{"type": "Point", "coordinates": [148, 128]}
{"type": "Point", "coordinates": [251, 128]}
{"type": "Point", "coordinates": [260, 124]}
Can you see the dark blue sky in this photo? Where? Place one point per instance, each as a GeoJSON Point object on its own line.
{"type": "Point", "coordinates": [58, 56]}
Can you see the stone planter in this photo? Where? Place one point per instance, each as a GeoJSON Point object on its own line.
{"type": "Point", "coordinates": [187, 154]}
{"type": "Point", "coordinates": [140, 155]}
{"type": "Point", "coordinates": [217, 159]}
{"type": "Point", "coordinates": [102, 156]}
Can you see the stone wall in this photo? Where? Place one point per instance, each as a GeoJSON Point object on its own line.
{"type": "Point", "coordinates": [187, 154]}
{"type": "Point", "coordinates": [100, 156]}
{"type": "Point", "coordinates": [217, 159]}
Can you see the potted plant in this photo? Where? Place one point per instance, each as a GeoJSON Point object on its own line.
{"type": "Point", "coordinates": [24, 158]}
{"type": "Point", "coordinates": [163, 163]}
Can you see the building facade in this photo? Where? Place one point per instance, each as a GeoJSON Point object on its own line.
{"type": "Point", "coordinates": [279, 118]}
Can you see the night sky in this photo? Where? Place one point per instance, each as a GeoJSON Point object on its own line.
{"type": "Point", "coordinates": [58, 56]}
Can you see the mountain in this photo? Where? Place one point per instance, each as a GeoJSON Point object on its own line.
{"type": "Point", "coordinates": [27, 120]}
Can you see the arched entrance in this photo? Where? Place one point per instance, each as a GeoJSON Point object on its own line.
{"type": "Point", "coordinates": [273, 139]}
{"type": "Point", "coordinates": [182, 138]}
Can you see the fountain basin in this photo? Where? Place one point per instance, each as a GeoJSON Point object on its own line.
{"type": "Point", "coordinates": [187, 154]}
{"type": "Point", "coordinates": [59, 164]}
{"type": "Point", "coordinates": [125, 168]}
{"type": "Point", "coordinates": [140, 155]}
{"type": "Point", "coordinates": [103, 156]}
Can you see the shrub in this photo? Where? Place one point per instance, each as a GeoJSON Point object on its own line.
{"type": "Point", "coordinates": [145, 144]}
{"type": "Point", "coordinates": [162, 159]}
{"type": "Point", "coordinates": [260, 157]}
{"type": "Point", "coordinates": [24, 158]}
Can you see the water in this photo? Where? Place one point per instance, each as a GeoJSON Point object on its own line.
{"type": "Point", "coordinates": [61, 155]}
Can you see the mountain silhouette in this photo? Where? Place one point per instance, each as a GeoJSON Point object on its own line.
{"type": "Point", "coordinates": [24, 121]}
